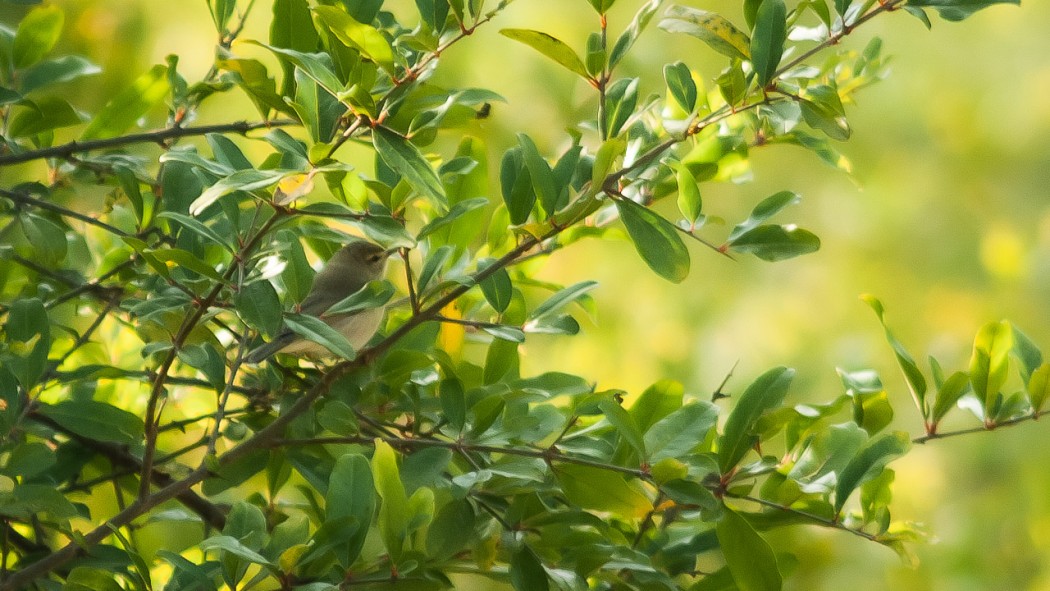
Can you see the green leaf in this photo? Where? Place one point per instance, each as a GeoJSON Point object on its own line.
{"type": "Point", "coordinates": [37, 35]}
{"type": "Point", "coordinates": [507, 333]}
{"type": "Point", "coordinates": [680, 432]}
{"type": "Point", "coordinates": [28, 333]}
{"type": "Point", "coordinates": [210, 236]}
{"type": "Point", "coordinates": [749, 558]}
{"type": "Point", "coordinates": [433, 266]}
{"type": "Point", "coordinates": [259, 307]}
{"type": "Point", "coordinates": [316, 107]}
{"type": "Point", "coordinates": [373, 295]}
{"type": "Point", "coordinates": [205, 357]}
{"type": "Point", "coordinates": [822, 110]}
{"type": "Point", "coordinates": [656, 402]}
{"type": "Point", "coordinates": [47, 238]}
{"type": "Point", "coordinates": [297, 274]}
{"type": "Point", "coordinates": [241, 180]}
{"type": "Point", "coordinates": [394, 511]}
{"type": "Point", "coordinates": [456, 212]}
{"type": "Point", "coordinates": [184, 259]}
{"type": "Point", "coordinates": [948, 394]}
{"type": "Point", "coordinates": [732, 84]}
{"type": "Point", "coordinates": [624, 424]}
{"type": "Point", "coordinates": [621, 98]}
{"type": "Point", "coordinates": [452, 529]}
{"type": "Point", "coordinates": [680, 83]}
{"type": "Point", "coordinates": [292, 28]}
{"type": "Point", "coordinates": [86, 578]}
{"type": "Point", "coordinates": [765, 209]}
{"type": "Point", "coordinates": [711, 28]}
{"type": "Point", "coordinates": [526, 572]}
{"type": "Point", "coordinates": [363, 37]}
{"type": "Point", "coordinates": [869, 461]}
{"type": "Point", "coordinates": [549, 46]}
{"type": "Point", "coordinates": [453, 402]}
{"type": "Point", "coordinates": [914, 377]}
{"type": "Point", "coordinates": [540, 173]}
{"type": "Point", "coordinates": [314, 329]}
{"type": "Point", "coordinates": [764, 394]}
{"type": "Point", "coordinates": [221, 11]}
{"type": "Point", "coordinates": [990, 361]}
{"type": "Point", "coordinates": [656, 240]}
{"type": "Point", "coordinates": [957, 10]}
{"type": "Point", "coordinates": [318, 66]}
{"type": "Point", "coordinates": [55, 71]}
{"type": "Point", "coordinates": [29, 459]}
{"type": "Point", "coordinates": [689, 201]}
{"type": "Point", "coordinates": [502, 362]}
{"type": "Point", "coordinates": [825, 455]}
{"type": "Point", "coordinates": [400, 155]}
{"type": "Point", "coordinates": [497, 287]}
{"type": "Point", "coordinates": [605, 159]}
{"type": "Point", "coordinates": [96, 420]}
{"type": "Point", "coordinates": [1038, 387]}
{"type": "Point", "coordinates": [516, 186]}
{"type": "Point", "coordinates": [601, 6]}
{"type": "Point", "coordinates": [128, 106]}
{"type": "Point", "coordinates": [601, 490]}
{"type": "Point", "coordinates": [634, 30]}
{"type": "Point", "coordinates": [767, 39]}
{"type": "Point", "coordinates": [1027, 352]}
{"type": "Point", "coordinates": [27, 501]}
{"type": "Point", "coordinates": [776, 243]}
{"type": "Point", "coordinates": [871, 406]}
{"type": "Point", "coordinates": [351, 493]}
{"type": "Point", "coordinates": [232, 545]}
{"type": "Point", "coordinates": [40, 115]}
{"type": "Point", "coordinates": [562, 298]}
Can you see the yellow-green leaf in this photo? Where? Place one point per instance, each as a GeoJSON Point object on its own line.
{"type": "Point", "coordinates": [551, 47]}
{"type": "Point", "coordinates": [128, 106]}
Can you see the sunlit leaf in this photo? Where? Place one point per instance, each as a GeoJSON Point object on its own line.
{"type": "Point", "coordinates": [914, 377]}
{"type": "Point", "coordinates": [738, 436]}
{"type": "Point", "coordinates": [990, 361]}
{"type": "Point", "coordinates": [711, 28]}
{"type": "Point", "coordinates": [125, 109]}
{"type": "Point", "coordinates": [551, 47]}
{"type": "Point", "coordinates": [749, 558]}
{"type": "Point", "coordinates": [37, 34]}
{"type": "Point", "coordinates": [363, 37]}
{"type": "Point", "coordinates": [868, 462]}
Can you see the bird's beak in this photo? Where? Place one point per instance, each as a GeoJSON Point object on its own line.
{"type": "Point", "coordinates": [391, 251]}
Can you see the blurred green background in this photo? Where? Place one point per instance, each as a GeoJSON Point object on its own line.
{"type": "Point", "coordinates": [946, 218]}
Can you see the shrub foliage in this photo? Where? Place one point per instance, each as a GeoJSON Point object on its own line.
{"type": "Point", "coordinates": [139, 450]}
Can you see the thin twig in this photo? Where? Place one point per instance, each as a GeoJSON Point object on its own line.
{"type": "Point", "coordinates": [26, 199]}
{"type": "Point", "coordinates": [150, 137]}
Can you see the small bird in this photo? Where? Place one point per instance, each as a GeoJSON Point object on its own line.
{"type": "Point", "coordinates": [345, 273]}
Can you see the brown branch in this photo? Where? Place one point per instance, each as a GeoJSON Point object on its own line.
{"type": "Point", "coordinates": [26, 199]}
{"type": "Point", "coordinates": [120, 457]}
{"type": "Point", "coordinates": [1034, 416]}
{"type": "Point", "coordinates": [149, 137]}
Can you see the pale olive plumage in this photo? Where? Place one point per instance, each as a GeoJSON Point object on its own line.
{"type": "Point", "coordinates": [346, 272]}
